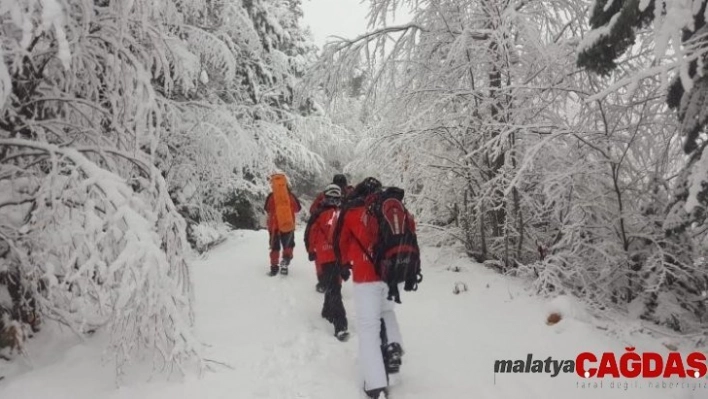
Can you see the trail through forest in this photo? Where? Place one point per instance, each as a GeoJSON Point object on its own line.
{"type": "Point", "coordinates": [268, 330]}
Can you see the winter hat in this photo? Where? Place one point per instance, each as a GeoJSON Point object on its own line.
{"type": "Point", "coordinates": [368, 186]}
{"type": "Point", "coordinates": [333, 191]}
{"type": "Point", "coordinates": [340, 180]}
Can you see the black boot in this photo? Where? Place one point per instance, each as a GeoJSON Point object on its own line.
{"type": "Point", "coordinates": [340, 329]}
{"type": "Point", "coordinates": [379, 393]}
{"type": "Point", "coordinates": [284, 265]}
{"type": "Point", "coordinates": [392, 354]}
{"type": "Point", "coordinates": [342, 335]}
{"type": "Point", "coordinates": [274, 270]}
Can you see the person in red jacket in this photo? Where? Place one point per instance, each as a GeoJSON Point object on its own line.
{"type": "Point", "coordinates": [319, 242]}
{"type": "Point", "coordinates": [355, 236]}
{"type": "Point", "coordinates": [278, 239]}
{"type": "Point", "coordinates": [341, 181]}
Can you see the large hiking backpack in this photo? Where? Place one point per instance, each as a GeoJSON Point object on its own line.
{"type": "Point", "coordinates": [313, 217]}
{"type": "Point", "coordinates": [281, 199]}
{"type": "Point", "coordinates": [396, 254]}
{"type": "Point", "coordinates": [321, 208]}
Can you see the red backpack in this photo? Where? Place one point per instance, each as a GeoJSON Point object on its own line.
{"type": "Point", "coordinates": [396, 256]}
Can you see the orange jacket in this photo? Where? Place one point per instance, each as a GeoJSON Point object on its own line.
{"type": "Point", "coordinates": [269, 207]}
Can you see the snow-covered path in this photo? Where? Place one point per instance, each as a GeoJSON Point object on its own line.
{"type": "Point", "coordinates": [269, 331]}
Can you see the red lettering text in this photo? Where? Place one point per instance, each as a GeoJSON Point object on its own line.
{"type": "Point", "coordinates": [647, 359]}
{"type": "Point", "coordinates": [580, 365]}
{"type": "Point", "coordinates": [630, 364]}
{"type": "Point", "coordinates": [647, 365]}
{"type": "Point", "coordinates": [696, 362]}
{"type": "Point", "coordinates": [608, 365]}
{"type": "Point", "coordinates": [674, 366]}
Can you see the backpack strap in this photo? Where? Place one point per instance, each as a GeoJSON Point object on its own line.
{"type": "Point", "coordinates": [368, 255]}
{"type": "Point", "coordinates": [352, 203]}
{"type": "Point", "coordinates": [393, 293]}
{"type": "Point", "coordinates": [338, 233]}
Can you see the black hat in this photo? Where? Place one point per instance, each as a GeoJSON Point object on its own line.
{"type": "Point", "coordinates": [368, 186]}
{"type": "Point", "coordinates": [340, 180]}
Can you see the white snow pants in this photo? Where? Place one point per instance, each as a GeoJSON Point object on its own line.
{"type": "Point", "coordinates": [372, 306]}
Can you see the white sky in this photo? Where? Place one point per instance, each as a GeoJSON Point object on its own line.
{"type": "Point", "coordinates": [346, 18]}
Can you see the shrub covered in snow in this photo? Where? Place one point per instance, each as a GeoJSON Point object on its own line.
{"type": "Point", "coordinates": [95, 253]}
{"type": "Point", "coordinates": [207, 235]}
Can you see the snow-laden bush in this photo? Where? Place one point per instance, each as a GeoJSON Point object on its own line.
{"type": "Point", "coordinates": [94, 240]}
{"type": "Point", "coordinates": [207, 235]}
{"type": "Point", "coordinates": [96, 252]}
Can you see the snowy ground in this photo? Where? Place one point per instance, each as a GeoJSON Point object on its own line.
{"type": "Point", "coordinates": [269, 331]}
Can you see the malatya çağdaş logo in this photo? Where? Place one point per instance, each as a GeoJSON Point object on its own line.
{"type": "Point", "coordinates": [630, 364]}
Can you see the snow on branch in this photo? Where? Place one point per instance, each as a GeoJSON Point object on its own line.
{"type": "Point", "coordinates": [101, 254]}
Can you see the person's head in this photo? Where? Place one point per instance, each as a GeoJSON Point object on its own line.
{"type": "Point", "coordinates": [340, 180]}
{"type": "Point", "coordinates": [367, 186]}
{"type": "Point", "coordinates": [333, 191]}
{"type": "Point", "coordinates": [332, 194]}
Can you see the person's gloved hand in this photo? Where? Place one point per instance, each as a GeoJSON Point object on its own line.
{"type": "Point", "coordinates": [346, 272]}
{"type": "Point", "coordinates": [410, 284]}
{"type": "Point", "coordinates": [412, 280]}
{"type": "Point", "coordinates": [311, 256]}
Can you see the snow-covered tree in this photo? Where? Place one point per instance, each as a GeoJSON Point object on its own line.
{"type": "Point", "coordinates": [675, 51]}
{"type": "Point", "coordinates": [456, 91]}
{"type": "Point", "coordinates": [248, 57]}
{"type": "Point", "coordinates": [94, 239]}
{"type": "Point", "coordinates": [678, 42]}
{"type": "Point", "coordinates": [478, 109]}
{"type": "Point", "coordinates": [117, 120]}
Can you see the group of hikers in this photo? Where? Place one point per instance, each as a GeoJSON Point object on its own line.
{"type": "Point", "coordinates": [365, 233]}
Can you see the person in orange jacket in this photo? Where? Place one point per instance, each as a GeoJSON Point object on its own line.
{"type": "Point", "coordinates": [319, 243]}
{"type": "Point", "coordinates": [278, 239]}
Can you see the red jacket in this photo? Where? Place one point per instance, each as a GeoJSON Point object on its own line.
{"type": "Point", "coordinates": [320, 236]}
{"type": "Point", "coordinates": [355, 232]}
{"type": "Point", "coordinates": [320, 197]}
{"type": "Point", "coordinates": [355, 237]}
{"type": "Point", "coordinates": [269, 207]}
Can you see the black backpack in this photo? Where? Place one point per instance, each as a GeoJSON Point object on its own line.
{"type": "Point", "coordinates": [396, 256]}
